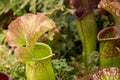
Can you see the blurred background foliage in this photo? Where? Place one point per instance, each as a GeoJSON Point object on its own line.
{"type": "Point", "coordinates": [65, 44]}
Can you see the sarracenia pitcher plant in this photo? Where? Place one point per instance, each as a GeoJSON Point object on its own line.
{"type": "Point", "coordinates": [22, 36]}
{"type": "Point", "coordinates": [109, 39]}
{"type": "Point", "coordinates": [87, 28]}
{"type": "Point", "coordinates": [109, 73]}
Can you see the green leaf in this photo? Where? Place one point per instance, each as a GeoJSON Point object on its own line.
{"type": "Point", "coordinates": [4, 6]}
{"type": "Point", "coordinates": [2, 36]}
{"type": "Point", "coordinates": [14, 6]}
{"type": "Point", "coordinates": [25, 2]}
{"type": "Point", "coordinates": [33, 6]}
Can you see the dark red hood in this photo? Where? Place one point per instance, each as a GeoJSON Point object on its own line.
{"type": "Point", "coordinates": [4, 76]}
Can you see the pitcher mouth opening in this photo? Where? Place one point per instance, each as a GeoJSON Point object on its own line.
{"type": "Point", "coordinates": [44, 57]}
{"type": "Point", "coordinates": [114, 33]}
{"type": "Point", "coordinates": [4, 76]}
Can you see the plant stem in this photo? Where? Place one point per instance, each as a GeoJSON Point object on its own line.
{"type": "Point", "coordinates": [87, 30]}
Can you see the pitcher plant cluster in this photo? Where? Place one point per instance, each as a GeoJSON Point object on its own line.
{"type": "Point", "coordinates": [22, 36]}
{"type": "Point", "coordinates": [108, 38]}
{"type": "Point", "coordinates": [24, 32]}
